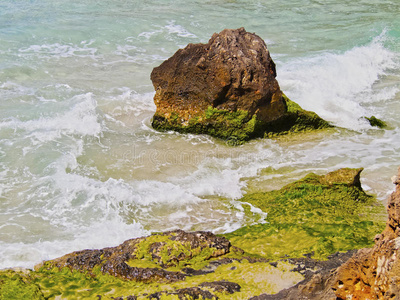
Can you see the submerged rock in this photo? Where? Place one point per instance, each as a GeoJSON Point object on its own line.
{"type": "Point", "coordinates": [317, 215]}
{"type": "Point", "coordinates": [374, 121]}
{"type": "Point", "coordinates": [225, 88]}
{"type": "Point", "coordinates": [370, 273]}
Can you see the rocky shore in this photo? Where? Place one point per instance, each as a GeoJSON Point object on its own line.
{"type": "Point", "coordinates": [306, 249]}
{"type": "Point", "coordinates": [320, 239]}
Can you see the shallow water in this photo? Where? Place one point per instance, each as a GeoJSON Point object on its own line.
{"type": "Point", "coordinates": [80, 165]}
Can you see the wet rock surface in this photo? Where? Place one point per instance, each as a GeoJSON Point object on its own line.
{"type": "Point", "coordinates": [280, 259]}
{"type": "Point", "coordinates": [222, 286]}
{"type": "Point", "coordinates": [374, 273]}
{"type": "Point", "coordinates": [316, 274]}
{"type": "Point", "coordinates": [164, 250]}
{"type": "Point", "coordinates": [233, 71]}
{"type": "Point", "coordinates": [225, 88]}
{"type": "Point", "coordinates": [187, 293]}
{"type": "Point", "coordinates": [369, 273]}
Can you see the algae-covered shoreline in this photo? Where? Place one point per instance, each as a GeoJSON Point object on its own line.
{"type": "Point", "coordinates": [312, 218]}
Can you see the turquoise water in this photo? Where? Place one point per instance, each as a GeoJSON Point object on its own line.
{"type": "Point", "coordinates": [80, 165]}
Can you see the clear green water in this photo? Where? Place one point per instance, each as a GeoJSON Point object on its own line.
{"type": "Point", "coordinates": [80, 166]}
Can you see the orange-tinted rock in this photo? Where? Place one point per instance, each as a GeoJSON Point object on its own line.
{"type": "Point", "coordinates": [370, 273]}
{"type": "Point", "coordinates": [375, 273]}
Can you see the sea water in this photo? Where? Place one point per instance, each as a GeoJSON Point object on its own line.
{"type": "Point", "coordinates": [81, 166]}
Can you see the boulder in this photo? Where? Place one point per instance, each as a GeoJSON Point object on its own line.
{"type": "Point", "coordinates": [226, 88]}
{"type": "Point", "coordinates": [375, 273]}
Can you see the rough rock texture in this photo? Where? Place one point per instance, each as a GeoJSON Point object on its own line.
{"type": "Point", "coordinates": [227, 89]}
{"type": "Point", "coordinates": [159, 252]}
{"type": "Point", "coordinates": [348, 176]}
{"type": "Point", "coordinates": [375, 273]}
{"type": "Point", "coordinates": [233, 71]}
{"type": "Point", "coordinates": [183, 294]}
{"type": "Point", "coordinates": [314, 285]}
{"type": "Point", "coordinates": [318, 215]}
{"type": "Point", "coordinates": [370, 273]}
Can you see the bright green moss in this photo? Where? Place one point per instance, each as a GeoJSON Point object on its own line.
{"type": "Point", "coordinates": [169, 254]}
{"type": "Point", "coordinates": [17, 285]}
{"type": "Point", "coordinates": [313, 215]}
{"type": "Point", "coordinates": [236, 127]}
{"type": "Point", "coordinates": [318, 214]}
{"type": "Point", "coordinates": [253, 278]}
{"type": "Point", "coordinates": [296, 120]}
{"type": "Point", "coordinates": [373, 121]}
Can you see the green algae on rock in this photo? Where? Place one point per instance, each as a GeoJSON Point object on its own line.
{"type": "Point", "coordinates": [295, 120]}
{"type": "Point", "coordinates": [196, 265]}
{"type": "Point", "coordinates": [158, 257]}
{"type": "Point", "coordinates": [317, 214]}
{"type": "Point", "coordinates": [374, 121]}
{"type": "Point", "coordinates": [235, 127]}
{"type": "Point", "coordinates": [229, 279]}
{"type": "Point", "coordinates": [226, 88]}
{"type": "Point", "coordinates": [18, 285]}
{"type": "Point", "coordinates": [238, 126]}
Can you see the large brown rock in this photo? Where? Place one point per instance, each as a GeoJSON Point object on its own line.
{"type": "Point", "coordinates": [232, 73]}
{"type": "Point", "coordinates": [227, 89]}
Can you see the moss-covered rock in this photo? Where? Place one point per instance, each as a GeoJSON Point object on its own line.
{"type": "Point", "coordinates": [177, 265]}
{"type": "Point", "coordinates": [226, 88]}
{"type": "Point", "coordinates": [217, 88]}
{"type": "Point", "coordinates": [374, 121]}
{"type": "Point", "coordinates": [18, 285]}
{"type": "Point", "coordinates": [317, 214]}
{"type": "Point", "coordinates": [239, 126]}
{"type": "Point", "coordinates": [159, 257]}
{"type": "Point", "coordinates": [234, 127]}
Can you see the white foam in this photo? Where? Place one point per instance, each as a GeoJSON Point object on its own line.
{"type": "Point", "coordinates": [81, 207]}
{"type": "Point", "coordinates": [221, 171]}
{"type": "Point", "coordinates": [179, 30]}
{"type": "Point", "coordinates": [12, 88]}
{"type": "Point", "coordinates": [61, 50]}
{"type": "Point", "coordinates": [82, 119]}
{"type": "Point", "coordinates": [381, 95]}
{"type": "Point", "coordinates": [103, 234]}
{"type": "Point", "coordinates": [131, 102]}
{"type": "Point", "coordinates": [170, 32]}
{"type": "Point", "coordinates": [335, 85]}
